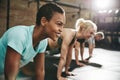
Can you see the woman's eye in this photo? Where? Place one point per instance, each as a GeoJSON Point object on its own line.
{"type": "Point", "coordinates": [60, 24]}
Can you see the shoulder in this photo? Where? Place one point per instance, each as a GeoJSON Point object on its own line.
{"type": "Point", "coordinates": [68, 32]}
{"type": "Point", "coordinates": [18, 34]}
{"type": "Point", "coordinates": [68, 35]}
{"type": "Point", "coordinates": [18, 31]}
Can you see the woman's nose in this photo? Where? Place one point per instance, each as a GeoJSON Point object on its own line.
{"type": "Point", "coordinates": [60, 29]}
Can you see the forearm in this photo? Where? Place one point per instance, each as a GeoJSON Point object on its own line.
{"type": "Point", "coordinates": [76, 54]}
{"type": "Point", "coordinates": [91, 47]}
{"type": "Point", "coordinates": [60, 67]}
{"type": "Point", "coordinates": [39, 66]}
{"type": "Point", "coordinates": [90, 51]}
{"type": "Point", "coordinates": [10, 75]}
{"type": "Point", "coordinates": [82, 51]}
{"type": "Point", "coordinates": [69, 58]}
{"type": "Point", "coordinates": [40, 75]}
{"type": "Point", "coordinates": [11, 71]}
{"type": "Point", "coordinates": [61, 62]}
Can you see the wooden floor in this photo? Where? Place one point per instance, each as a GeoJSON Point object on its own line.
{"type": "Point", "coordinates": [104, 65]}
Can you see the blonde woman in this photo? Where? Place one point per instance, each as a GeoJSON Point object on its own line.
{"type": "Point", "coordinates": [85, 29]}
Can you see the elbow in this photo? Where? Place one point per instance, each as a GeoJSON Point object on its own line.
{"type": "Point", "coordinates": [63, 59]}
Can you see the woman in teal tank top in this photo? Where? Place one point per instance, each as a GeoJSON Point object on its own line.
{"type": "Point", "coordinates": [21, 44]}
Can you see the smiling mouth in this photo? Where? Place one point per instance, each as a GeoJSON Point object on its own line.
{"type": "Point", "coordinates": [58, 34]}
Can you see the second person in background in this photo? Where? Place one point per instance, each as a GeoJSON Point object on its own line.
{"type": "Point", "coordinates": [85, 29]}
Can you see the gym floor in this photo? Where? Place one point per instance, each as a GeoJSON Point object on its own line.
{"type": "Point", "coordinates": [104, 65]}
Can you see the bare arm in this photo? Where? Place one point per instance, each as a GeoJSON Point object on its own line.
{"type": "Point", "coordinates": [12, 61]}
{"type": "Point", "coordinates": [69, 58]}
{"type": "Point", "coordinates": [91, 42]}
{"type": "Point", "coordinates": [91, 47]}
{"type": "Point", "coordinates": [82, 49]}
{"type": "Point", "coordinates": [77, 48]}
{"type": "Point", "coordinates": [62, 61]}
{"type": "Point", "coordinates": [39, 66]}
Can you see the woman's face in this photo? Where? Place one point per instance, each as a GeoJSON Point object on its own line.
{"type": "Point", "coordinates": [88, 33]}
{"type": "Point", "coordinates": [55, 25]}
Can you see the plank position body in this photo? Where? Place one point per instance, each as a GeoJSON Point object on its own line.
{"type": "Point", "coordinates": [86, 29]}
{"type": "Point", "coordinates": [21, 44]}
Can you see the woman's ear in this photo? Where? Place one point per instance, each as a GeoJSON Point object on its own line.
{"type": "Point", "coordinates": [43, 21]}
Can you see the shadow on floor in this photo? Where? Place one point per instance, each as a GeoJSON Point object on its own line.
{"type": "Point", "coordinates": [51, 67]}
{"type": "Point", "coordinates": [74, 65]}
{"type": "Point", "coordinates": [51, 64]}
